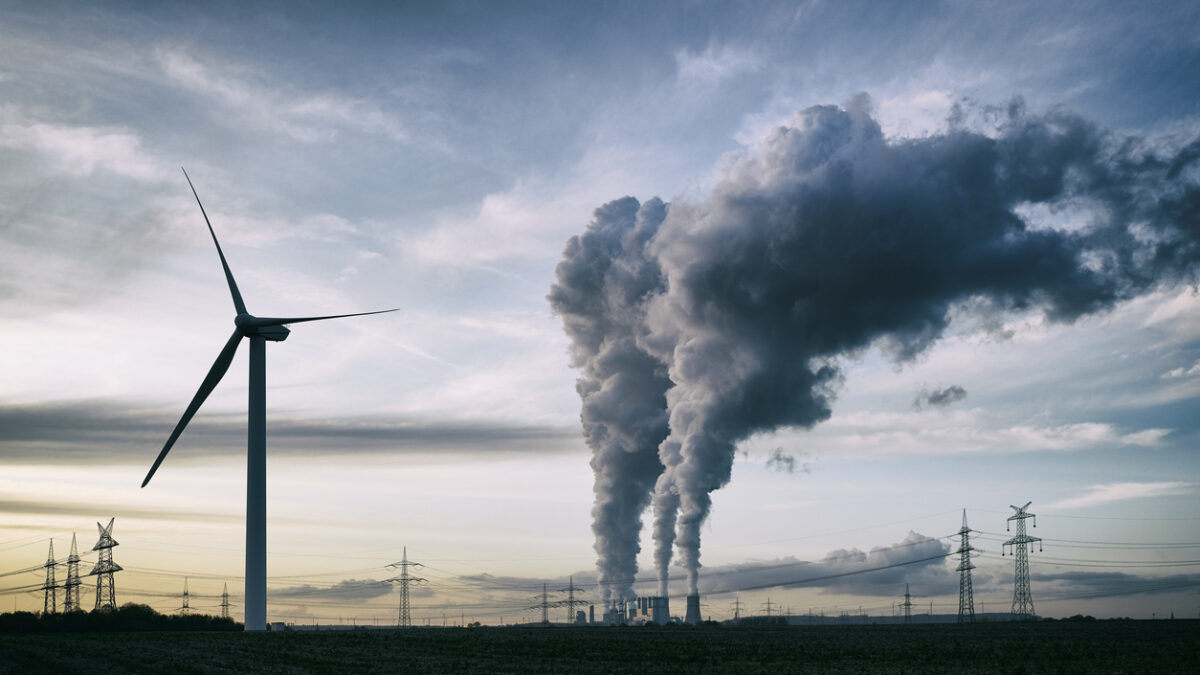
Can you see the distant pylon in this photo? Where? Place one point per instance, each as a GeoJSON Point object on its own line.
{"type": "Point", "coordinates": [907, 605]}
{"type": "Point", "coordinates": [737, 609]}
{"type": "Point", "coordinates": [186, 607]}
{"type": "Point", "coordinates": [106, 588]}
{"type": "Point", "coordinates": [404, 618]}
{"type": "Point", "coordinates": [545, 607]}
{"type": "Point", "coordinates": [71, 587]}
{"type": "Point", "coordinates": [966, 594]}
{"type": "Point", "coordinates": [50, 603]}
{"type": "Point", "coordinates": [225, 602]}
{"type": "Point", "coordinates": [1022, 604]}
{"type": "Point", "coordinates": [570, 603]}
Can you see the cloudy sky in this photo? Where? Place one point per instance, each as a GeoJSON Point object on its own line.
{"type": "Point", "coordinates": [437, 158]}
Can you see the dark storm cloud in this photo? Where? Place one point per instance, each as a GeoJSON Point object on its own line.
{"type": "Point", "coordinates": [828, 239]}
{"type": "Point", "coordinates": [107, 432]}
{"type": "Point", "coordinates": [939, 397]}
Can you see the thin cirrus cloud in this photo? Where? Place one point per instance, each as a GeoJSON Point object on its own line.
{"type": "Point", "coordinates": [309, 117]}
{"type": "Point", "coordinates": [1114, 492]}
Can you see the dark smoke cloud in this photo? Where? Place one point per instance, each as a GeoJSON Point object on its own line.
{"type": "Point", "coordinates": [939, 397]}
{"type": "Point", "coordinates": [604, 281]}
{"type": "Point", "coordinates": [782, 461]}
{"type": "Point", "coordinates": [828, 239]}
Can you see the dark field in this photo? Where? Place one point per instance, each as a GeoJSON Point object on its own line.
{"type": "Point", "coordinates": [1045, 647]}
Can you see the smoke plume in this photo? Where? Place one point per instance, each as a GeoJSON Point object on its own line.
{"type": "Point", "coordinates": [603, 284]}
{"type": "Point", "coordinates": [828, 239]}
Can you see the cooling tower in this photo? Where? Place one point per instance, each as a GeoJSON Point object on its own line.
{"type": "Point", "coordinates": [693, 610]}
{"type": "Point", "coordinates": [660, 612]}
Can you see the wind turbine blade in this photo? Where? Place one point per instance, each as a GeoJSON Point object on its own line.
{"type": "Point", "coordinates": [219, 367]}
{"type": "Point", "coordinates": [233, 289]}
{"type": "Point", "coordinates": [260, 321]}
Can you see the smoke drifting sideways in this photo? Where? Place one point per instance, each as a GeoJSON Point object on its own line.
{"type": "Point", "coordinates": [697, 325]}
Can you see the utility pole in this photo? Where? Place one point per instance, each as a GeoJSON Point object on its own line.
{"type": "Point", "coordinates": [404, 618]}
{"type": "Point", "coordinates": [966, 595]}
{"type": "Point", "coordinates": [50, 603]}
{"type": "Point", "coordinates": [1022, 604]}
{"type": "Point", "coordinates": [907, 605]}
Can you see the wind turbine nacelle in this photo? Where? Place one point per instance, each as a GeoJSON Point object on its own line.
{"type": "Point", "coordinates": [272, 333]}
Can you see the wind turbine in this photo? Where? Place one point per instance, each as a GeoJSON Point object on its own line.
{"type": "Point", "coordinates": [259, 330]}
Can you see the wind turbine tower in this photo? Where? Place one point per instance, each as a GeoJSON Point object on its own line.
{"type": "Point", "coordinates": [71, 587]}
{"type": "Point", "coordinates": [106, 588]}
{"type": "Point", "coordinates": [404, 618]}
{"type": "Point", "coordinates": [258, 330]}
{"type": "Point", "coordinates": [1022, 604]}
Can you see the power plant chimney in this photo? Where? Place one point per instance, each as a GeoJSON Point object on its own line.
{"type": "Point", "coordinates": [693, 610]}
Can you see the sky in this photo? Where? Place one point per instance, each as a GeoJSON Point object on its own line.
{"type": "Point", "coordinates": [437, 157]}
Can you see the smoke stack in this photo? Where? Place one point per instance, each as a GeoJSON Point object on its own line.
{"type": "Point", "coordinates": [693, 610]}
{"type": "Point", "coordinates": [660, 612]}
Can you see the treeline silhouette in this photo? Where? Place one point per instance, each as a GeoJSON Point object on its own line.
{"type": "Point", "coordinates": [129, 617]}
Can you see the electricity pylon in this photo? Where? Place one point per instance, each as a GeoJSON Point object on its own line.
{"type": "Point", "coordinates": [543, 601]}
{"type": "Point", "coordinates": [71, 587]}
{"type": "Point", "coordinates": [50, 603]}
{"type": "Point", "coordinates": [737, 609]}
{"type": "Point", "coordinates": [1022, 604]}
{"type": "Point", "coordinates": [907, 605]}
{"type": "Point", "coordinates": [966, 594]}
{"type": "Point", "coordinates": [570, 603]}
{"type": "Point", "coordinates": [186, 607]}
{"type": "Point", "coordinates": [404, 618]}
{"type": "Point", "coordinates": [225, 602]}
{"type": "Point", "coordinates": [106, 589]}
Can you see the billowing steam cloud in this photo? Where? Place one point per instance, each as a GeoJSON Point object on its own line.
{"type": "Point", "coordinates": [727, 317]}
{"type": "Point", "coordinates": [603, 284]}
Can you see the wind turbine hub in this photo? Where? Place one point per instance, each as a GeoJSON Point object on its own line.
{"type": "Point", "coordinates": [252, 326]}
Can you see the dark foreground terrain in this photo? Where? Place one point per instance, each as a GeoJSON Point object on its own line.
{"type": "Point", "coordinates": [1043, 647]}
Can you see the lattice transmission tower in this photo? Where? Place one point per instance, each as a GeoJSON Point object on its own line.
{"type": "Point", "coordinates": [50, 603]}
{"type": "Point", "coordinates": [186, 606]}
{"type": "Point", "coordinates": [106, 588]}
{"type": "Point", "coordinates": [907, 605]}
{"type": "Point", "coordinates": [404, 617]}
{"type": "Point", "coordinates": [543, 601]}
{"type": "Point", "coordinates": [71, 587]}
{"type": "Point", "coordinates": [225, 602]}
{"type": "Point", "coordinates": [966, 594]}
{"type": "Point", "coordinates": [1022, 604]}
{"type": "Point", "coordinates": [570, 603]}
